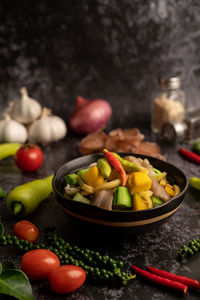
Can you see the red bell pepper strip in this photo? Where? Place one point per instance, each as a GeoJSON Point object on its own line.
{"type": "Point", "coordinates": [171, 284]}
{"type": "Point", "coordinates": [191, 283]}
{"type": "Point", "coordinates": [190, 155]}
{"type": "Point", "coordinates": [115, 163]}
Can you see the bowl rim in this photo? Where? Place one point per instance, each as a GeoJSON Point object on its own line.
{"type": "Point", "coordinates": [85, 157]}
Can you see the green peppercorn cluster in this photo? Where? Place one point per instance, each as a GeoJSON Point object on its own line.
{"type": "Point", "coordinates": [192, 248]}
{"type": "Point", "coordinates": [97, 267]}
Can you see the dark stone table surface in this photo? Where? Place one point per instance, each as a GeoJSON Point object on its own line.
{"type": "Point", "coordinates": [157, 247]}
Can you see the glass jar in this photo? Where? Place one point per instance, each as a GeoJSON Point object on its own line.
{"type": "Point", "coordinates": [168, 104]}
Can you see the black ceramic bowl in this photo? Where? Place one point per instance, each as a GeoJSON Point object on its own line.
{"type": "Point", "coordinates": [137, 220]}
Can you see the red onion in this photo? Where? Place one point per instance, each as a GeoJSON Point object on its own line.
{"type": "Point", "coordinates": [90, 115]}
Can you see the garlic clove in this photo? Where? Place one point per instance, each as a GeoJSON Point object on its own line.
{"type": "Point", "coordinates": [12, 131]}
{"type": "Point", "coordinates": [25, 110]}
{"type": "Point", "coordinates": [47, 129]}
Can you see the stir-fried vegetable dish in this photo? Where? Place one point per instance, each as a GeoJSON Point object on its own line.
{"type": "Point", "coordinates": [116, 183]}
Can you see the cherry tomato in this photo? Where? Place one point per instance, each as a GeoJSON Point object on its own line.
{"type": "Point", "coordinates": [39, 263]}
{"type": "Point", "coordinates": [66, 279]}
{"type": "Point", "coordinates": [29, 157]}
{"type": "Point", "coordinates": [26, 230]}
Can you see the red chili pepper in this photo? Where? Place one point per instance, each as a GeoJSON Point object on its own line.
{"type": "Point", "coordinates": [175, 285]}
{"type": "Point", "coordinates": [190, 155]}
{"type": "Point", "coordinates": [192, 283]}
{"type": "Point", "coordinates": [112, 159]}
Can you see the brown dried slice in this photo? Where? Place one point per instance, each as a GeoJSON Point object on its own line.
{"type": "Point", "coordinates": [132, 133]}
{"type": "Point", "coordinates": [124, 140]}
{"type": "Point", "coordinates": [148, 148]}
{"type": "Point", "coordinates": [93, 143]}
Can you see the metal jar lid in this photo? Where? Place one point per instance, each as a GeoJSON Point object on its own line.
{"type": "Point", "coordinates": [172, 83]}
{"type": "Point", "coordinates": [174, 131]}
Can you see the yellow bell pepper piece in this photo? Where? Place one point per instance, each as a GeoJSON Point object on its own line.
{"type": "Point", "coordinates": [93, 177]}
{"type": "Point", "coordinates": [176, 190]}
{"type": "Point", "coordinates": [138, 202]}
{"type": "Point", "coordinates": [169, 190]}
{"type": "Point", "coordinates": [138, 182]}
{"type": "Point", "coordinates": [163, 182]}
{"type": "Point", "coordinates": [146, 195]}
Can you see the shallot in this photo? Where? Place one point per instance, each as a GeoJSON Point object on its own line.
{"type": "Point", "coordinates": [90, 115]}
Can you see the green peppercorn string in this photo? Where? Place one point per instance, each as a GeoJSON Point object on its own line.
{"type": "Point", "coordinates": [192, 248]}
{"type": "Point", "coordinates": [92, 262]}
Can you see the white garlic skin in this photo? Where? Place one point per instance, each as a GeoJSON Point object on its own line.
{"type": "Point", "coordinates": [48, 129]}
{"type": "Point", "coordinates": [12, 132]}
{"type": "Point", "coordinates": [25, 110]}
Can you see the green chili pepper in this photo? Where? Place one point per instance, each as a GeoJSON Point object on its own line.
{"type": "Point", "coordinates": [24, 199]}
{"type": "Point", "coordinates": [3, 193]}
{"type": "Point", "coordinates": [8, 149]}
{"type": "Point", "coordinates": [195, 182]}
{"type": "Point", "coordinates": [196, 146]}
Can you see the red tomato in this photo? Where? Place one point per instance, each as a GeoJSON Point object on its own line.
{"type": "Point", "coordinates": [29, 157]}
{"type": "Point", "coordinates": [26, 230]}
{"type": "Point", "coordinates": [39, 263]}
{"type": "Point", "coordinates": [66, 279]}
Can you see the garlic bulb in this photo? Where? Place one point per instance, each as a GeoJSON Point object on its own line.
{"type": "Point", "coordinates": [11, 131]}
{"type": "Point", "coordinates": [47, 129]}
{"type": "Point", "coordinates": [25, 110]}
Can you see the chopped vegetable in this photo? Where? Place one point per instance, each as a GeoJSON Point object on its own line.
{"type": "Point", "coordinates": [81, 198]}
{"type": "Point", "coordinates": [169, 190]}
{"type": "Point", "coordinates": [160, 176]}
{"type": "Point", "coordinates": [157, 171]}
{"type": "Point", "coordinates": [115, 163]}
{"type": "Point", "coordinates": [82, 171]}
{"type": "Point", "coordinates": [127, 165]}
{"type": "Point", "coordinates": [108, 185]}
{"type": "Point", "coordinates": [24, 199]}
{"type": "Point", "coordinates": [163, 182]}
{"type": "Point", "coordinates": [171, 284]}
{"type": "Point", "coordinates": [104, 167]}
{"type": "Point", "coordinates": [139, 181]}
{"type": "Point", "coordinates": [122, 198]}
{"type": "Point", "coordinates": [93, 177]}
{"type": "Point", "coordinates": [176, 190]}
{"type": "Point", "coordinates": [138, 202]}
{"type": "Point", "coordinates": [71, 179]}
{"type": "Point", "coordinates": [195, 182]}
{"type": "Point", "coordinates": [191, 283]}
{"type": "Point", "coordinates": [146, 195]}
{"type": "Point", "coordinates": [135, 175]}
{"type": "Point", "coordinates": [156, 201]}
{"type": "Point", "coordinates": [72, 190]}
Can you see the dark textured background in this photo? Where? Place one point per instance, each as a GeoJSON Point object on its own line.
{"type": "Point", "coordinates": [113, 50]}
{"type": "Point", "coordinates": [109, 49]}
